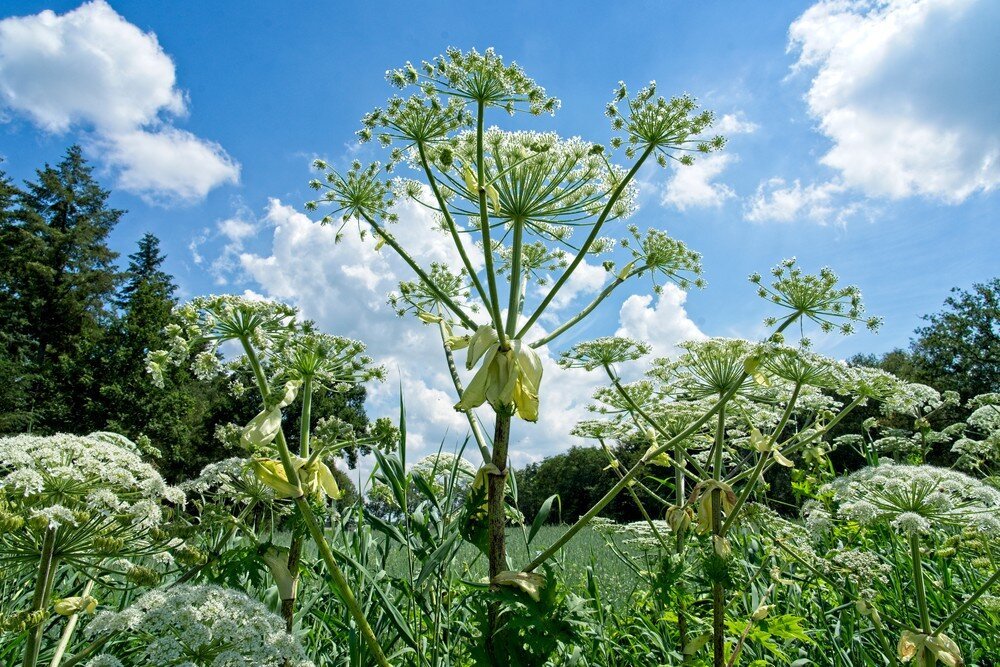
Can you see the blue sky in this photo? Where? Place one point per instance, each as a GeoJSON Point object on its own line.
{"type": "Point", "coordinates": [864, 136]}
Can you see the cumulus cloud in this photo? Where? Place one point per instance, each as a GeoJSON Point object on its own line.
{"type": "Point", "coordinates": [91, 70]}
{"type": "Point", "coordinates": [693, 186]}
{"type": "Point", "coordinates": [343, 287]}
{"type": "Point", "coordinates": [663, 324]}
{"type": "Point", "coordinates": [905, 91]}
{"type": "Point", "coordinates": [735, 123]}
{"type": "Point", "coordinates": [822, 203]}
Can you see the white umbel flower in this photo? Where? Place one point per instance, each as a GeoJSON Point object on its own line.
{"type": "Point", "coordinates": [205, 625]}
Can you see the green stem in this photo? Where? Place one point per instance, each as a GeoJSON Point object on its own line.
{"type": "Point", "coordinates": [484, 228]}
{"type": "Point", "coordinates": [67, 633]}
{"type": "Point", "coordinates": [565, 326]}
{"type": "Point", "coordinates": [968, 602]}
{"type": "Point", "coordinates": [340, 581]}
{"type": "Point", "coordinates": [450, 222]}
{"type": "Point", "coordinates": [497, 523]}
{"type": "Point", "coordinates": [918, 579]}
{"type": "Point", "coordinates": [305, 422]}
{"type": "Point", "coordinates": [623, 482]}
{"type": "Point", "coordinates": [426, 279]}
{"type": "Point", "coordinates": [718, 590]}
{"type": "Point", "coordinates": [513, 306]}
{"type": "Point", "coordinates": [92, 648]}
{"type": "Point", "coordinates": [758, 469]}
{"type": "Point", "coordinates": [43, 589]}
{"type": "Point", "coordinates": [594, 233]}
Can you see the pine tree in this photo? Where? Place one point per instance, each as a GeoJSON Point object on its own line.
{"type": "Point", "coordinates": [14, 346]}
{"type": "Point", "coordinates": [60, 276]}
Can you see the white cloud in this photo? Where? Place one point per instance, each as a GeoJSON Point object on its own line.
{"type": "Point", "coordinates": [905, 90]}
{"type": "Point", "coordinates": [663, 325]}
{"type": "Point", "coordinates": [693, 186]}
{"type": "Point", "coordinates": [91, 70]}
{"type": "Point", "coordinates": [735, 123]}
{"type": "Point", "coordinates": [586, 279]}
{"type": "Point", "coordinates": [823, 203]}
{"type": "Point", "coordinates": [169, 163]}
{"type": "Point", "coordinates": [343, 286]}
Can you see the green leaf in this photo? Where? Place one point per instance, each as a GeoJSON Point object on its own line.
{"type": "Point", "coordinates": [542, 516]}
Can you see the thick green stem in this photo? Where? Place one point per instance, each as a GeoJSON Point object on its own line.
{"type": "Point", "coordinates": [484, 228]}
{"type": "Point", "coordinates": [339, 580]}
{"type": "Point", "coordinates": [718, 591]}
{"type": "Point", "coordinates": [594, 233]}
{"type": "Point", "coordinates": [43, 590]}
{"type": "Point", "coordinates": [918, 579]}
{"type": "Point", "coordinates": [497, 521]}
{"type": "Point", "coordinates": [513, 306]}
{"type": "Point", "coordinates": [305, 422]}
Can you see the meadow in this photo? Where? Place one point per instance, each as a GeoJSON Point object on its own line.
{"type": "Point", "coordinates": [263, 559]}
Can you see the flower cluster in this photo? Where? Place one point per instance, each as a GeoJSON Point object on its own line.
{"type": "Point", "coordinates": [204, 625]}
{"type": "Point", "coordinates": [815, 297]}
{"type": "Point", "coordinates": [94, 491]}
{"type": "Point", "coordinates": [912, 499]}
{"type": "Point", "coordinates": [476, 77]}
{"type": "Point", "coordinates": [657, 125]}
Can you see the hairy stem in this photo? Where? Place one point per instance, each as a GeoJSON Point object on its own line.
{"type": "Point", "coordinates": [339, 580]}
{"type": "Point", "coordinates": [497, 518]}
{"type": "Point", "coordinates": [43, 590]}
{"type": "Point", "coordinates": [918, 578]}
{"type": "Point", "coordinates": [718, 590]}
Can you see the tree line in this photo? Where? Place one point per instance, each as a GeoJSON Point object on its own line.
{"type": "Point", "coordinates": [956, 349]}
{"type": "Point", "coordinates": [76, 330]}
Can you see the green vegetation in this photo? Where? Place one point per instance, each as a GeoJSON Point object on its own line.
{"type": "Point", "coordinates": [749, 502]}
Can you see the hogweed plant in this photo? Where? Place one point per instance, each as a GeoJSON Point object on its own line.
{"type": "Point", "coordinates": [917, 503]}
{"type": "Point", "coordinates": [534, 204]}
{"type": "Point", "coordinates": [767, 403]}
{"type": "Point", "coordinates": [288, 360]}
{"type": "Point", "coordinates": [87, 506]}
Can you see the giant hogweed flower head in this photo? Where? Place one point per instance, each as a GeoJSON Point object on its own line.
{"type": "Point", "coordinates": [607, 351]}
{"type": "Point", "coordinates": [476, 77]}
{"type": "Point", "coordinates": [671, 129]}
{"type": "Point", "coordinates": [359, 194]}
{"type": "Point", "coordinates": [330, 361]}
{"type": "Point", "coordinates": [203, 625]}
{"type": "Point", "coordinates": [207, 322]}
{"type": "Point", "coordinates": [95, 490]}
{"type": "Point", "coordinates": [547, 182]}
{"type": "Point", "coordinates": [913, 499]}
{"type": "Point", "coordinates": [658, 253]}
{"type": "Point", "coordinates": [815, 297]}
{"type": "Point", "coordinates": [712, 367]}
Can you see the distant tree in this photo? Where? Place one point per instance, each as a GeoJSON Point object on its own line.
{"type": "Point", "coordinates": [959, 348]}
{"type": "Point", "coordinates": [15, 366]}
{"type": "Point", "coordinates": [59, 276]}
{"type": "Point", "coordinates": [581, 477]}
